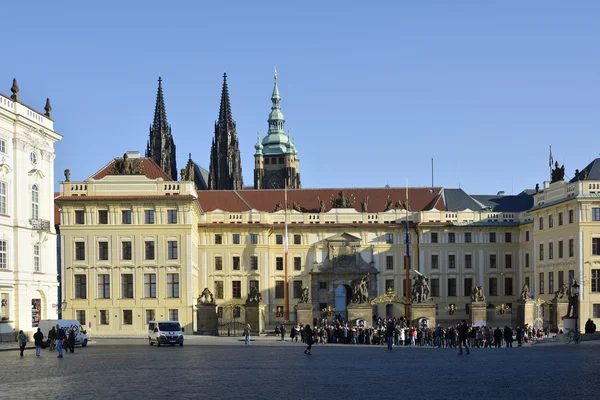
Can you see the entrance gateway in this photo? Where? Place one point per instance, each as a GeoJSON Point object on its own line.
{"type": "Point", "coordinates": [332, 279]}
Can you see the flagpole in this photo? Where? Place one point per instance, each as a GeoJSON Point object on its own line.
{"type": "Point", "coordinates": [407, 263]}
{"type": "Point", "coordinates": [286, 289]}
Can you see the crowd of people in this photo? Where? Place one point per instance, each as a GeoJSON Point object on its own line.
{"type": "Point", "coordinates": [398, 332]}
{"type": "Point", "coordinates": [57, 338]}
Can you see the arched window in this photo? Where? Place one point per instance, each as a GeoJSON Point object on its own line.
{"type": "Point", "coordinates": [35, 206]}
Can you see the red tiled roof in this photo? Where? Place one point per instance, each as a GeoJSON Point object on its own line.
{"type": "Point", "coordinates": [151, 170]}
{"type": "Point", "coordinates": [97, 198]}
{"type": "Point", "coordinates": [265, 200]}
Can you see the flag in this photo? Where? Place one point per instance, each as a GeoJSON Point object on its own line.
{"type": "Point", "coordinates": [285, 229]}
{"type": "Point", "coordinates": [551, 158]}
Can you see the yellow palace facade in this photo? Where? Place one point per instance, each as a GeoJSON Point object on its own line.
{"type": "Point", "coordinates": [137, 246]}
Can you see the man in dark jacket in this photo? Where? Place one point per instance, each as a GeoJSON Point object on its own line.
{"type": "Point", "coordinates": [38, 338]}
{"type": "Point", "coordinates": [72, 341]}
{"type": "Point", "coordinates": [590, 326]}
{"type": "Point", "coordinates": [463, 335]}
{"type": "Point", "coordinates": [60, 338]}
{"type": "Point", "coordinates": [497, 337]}
{"type": "Point", "coordinates": [508, 336]}
{"type": "Point", "coordinates": [52, 338]}
{"type": "Point", "coordinates": [389, 332]}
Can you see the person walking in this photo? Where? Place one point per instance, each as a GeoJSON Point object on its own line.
{"type": "Point", "coordinates": [497, 337]}
{"type": "Point", "coordinates": [308, 335]}
{"type": "Point", "coordinates": [282, 330]}
{"type": "Point", "coordinates": [71, 341]}
{"type": "Point", "coordinates": [389, 332]}
{"type": "Point", "coordinates": [60, 339]}
{"type": "Point", "coordinates": [22, 338]}
{"type": "Point", "coordinates": [247, 331]}
{"type": "Point", "coordinates": [52, 338]}
{"type": "Point", "coordinates": [38, 339]}
{"type": "Point", "coordinates": [463, 336]}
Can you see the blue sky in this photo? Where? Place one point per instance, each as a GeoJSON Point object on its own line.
{"type": "Point", "coordinates": [370, 91]}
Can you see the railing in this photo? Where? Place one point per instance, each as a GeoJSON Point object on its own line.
{"type": "Point", "coordinates": [40, 224]}
{"type": "Point", "coordinates": [78, 189]}
{"type": "Point", "coordinates": [171, 187]}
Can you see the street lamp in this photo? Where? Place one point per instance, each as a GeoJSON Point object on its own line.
{"type": "Point", "coordinates": [575, 294]}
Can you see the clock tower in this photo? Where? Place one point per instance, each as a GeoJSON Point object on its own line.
{"type": "Point", "coordinates": [276, 158]}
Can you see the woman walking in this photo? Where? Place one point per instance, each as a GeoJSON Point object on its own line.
{"type": "Point", "coordinates": [308, 337]}
{"type": "Point", "coordinates": [22, 341]}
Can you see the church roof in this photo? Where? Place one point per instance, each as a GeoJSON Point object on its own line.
{"type": "Point", "coordinates": [592, 172]}
{"type": "Point", "coordinates": [150, 169]}
{"type": "Point", "coordinates": [420, 199]}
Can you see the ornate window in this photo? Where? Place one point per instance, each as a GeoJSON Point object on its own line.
{"type": "Point", "coordinates": [36, 258]}
{"type": "Point", "coordinates": [35, 205]}
{"type": "Point", "coordinates": [2, 198]}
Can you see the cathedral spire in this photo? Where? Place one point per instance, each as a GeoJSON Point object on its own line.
{"type": "Point", "coordinates": [225, 172]}
{"type": "Point", "coordinates": [160, 113]}
{"type": "Point", "coordinates": [161, 148]}
{"type": "Point", "coordinates": [225, 109]}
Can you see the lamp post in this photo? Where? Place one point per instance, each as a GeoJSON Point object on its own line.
{"type": "Point", "coordinates": [575, 294]}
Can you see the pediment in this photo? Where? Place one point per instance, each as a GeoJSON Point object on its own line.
{"type": "Point", "coordinates": [343, 238]}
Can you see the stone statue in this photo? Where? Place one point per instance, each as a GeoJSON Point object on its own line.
{"type": "Point", "coordinates": [182, 174]}
{"type": "Point", "coordinates": [561, 292]}
{"type": "Point", "coordinates": [525, 294]}
{"type": "Point", "coordinates": [67, 175]}
{"type": "Point", "coordinates": [48, 108]}
{"type": "Point", "coordinates": [125, 166]}
{"type": "Point", "coordinates": [206, 297]}
{"type": "Point", "coordinates": [342, 201]}
{"type": "Point", "coordinates": [388, 204]}
{"type": "Point", "coordinates": [360, 290]}
{"type": "Point", "coordinates": [254, 297]}
{"type": "Point", "coordinates": [558, 173]}
{"type": "Point", "coordinates": [321, 206]}
{"type": "Point", "coordinates": [365, 205]}
{"type": "Point", "coordinates": [477, 294]}
{"type": "Point", "coordinates": [420, 289]}
{"type": "Point", "coordinates": [573, 299]}
{"type": "Point", "coordinates": [296, 206]}
{"type": "Point", "coordinates": [278, 206]}
{"type": "Point", "coordinates": [537, 188]}
{"type": "Point", "coordinates": [304, 298]}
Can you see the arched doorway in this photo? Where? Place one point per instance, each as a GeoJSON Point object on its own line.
{"type": "Point", "coordinates": [343, 294]}
{"type": "Point", "coordinates": [37, 308]}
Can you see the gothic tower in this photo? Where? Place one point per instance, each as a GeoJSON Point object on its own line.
{"type": "Point", "coordinates": [161, 148]}
{"type": "Point", "coordinates": [276, 163]}
{"type": "Point", "coordinates": [225, 172]}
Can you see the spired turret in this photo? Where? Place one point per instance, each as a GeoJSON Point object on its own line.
{"type": "Point", "coordinates": [276, 162]}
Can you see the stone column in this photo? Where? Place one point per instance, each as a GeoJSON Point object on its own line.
{"type": "Point", "coordinates": [525, 312]}
{"type": "Point", "coordinates": [559, 310]}
{"type": "Point", "coordinates": [253, 318]}
{"type": "Point", "coordinates": [304, 314]}
{"type": "Point", "coordinates": [207, 319]}
{"type": "Point", "coordinates": [478, 312]}
{"type": "Point", "coordinates": [422, 310]}
{"type": "Point", "coordinates": [360, 311]}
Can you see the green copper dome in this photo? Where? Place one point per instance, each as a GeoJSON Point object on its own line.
{"type": "Point", "coordinates": [276, 142]}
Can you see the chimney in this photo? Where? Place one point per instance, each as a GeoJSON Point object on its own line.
{"type": "Point", "coordinates": [500, 193]}
{"type": "Point", "coordinates": [133, 154]}
{"type": "Point", "coordinates": [546, 184]}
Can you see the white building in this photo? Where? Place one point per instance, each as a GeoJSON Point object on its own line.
{"type": "Point", "coordinates": [28, 273]}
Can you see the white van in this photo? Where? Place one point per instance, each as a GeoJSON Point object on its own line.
{"type": "Point", "coordinates": [46, 325]}
{"type": "Point", "coordinates": [165, 332]}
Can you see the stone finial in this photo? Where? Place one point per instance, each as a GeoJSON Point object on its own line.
{"type": "Point", "coordinates": [67, 175]}
{"type": "Point", "coordinates": [48, 108]}
{"type": "Point", "coordinates": [15, 89]}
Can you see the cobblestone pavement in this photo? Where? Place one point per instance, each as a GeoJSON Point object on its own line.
{"type": "Point", "coordinates": [267, 369]}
